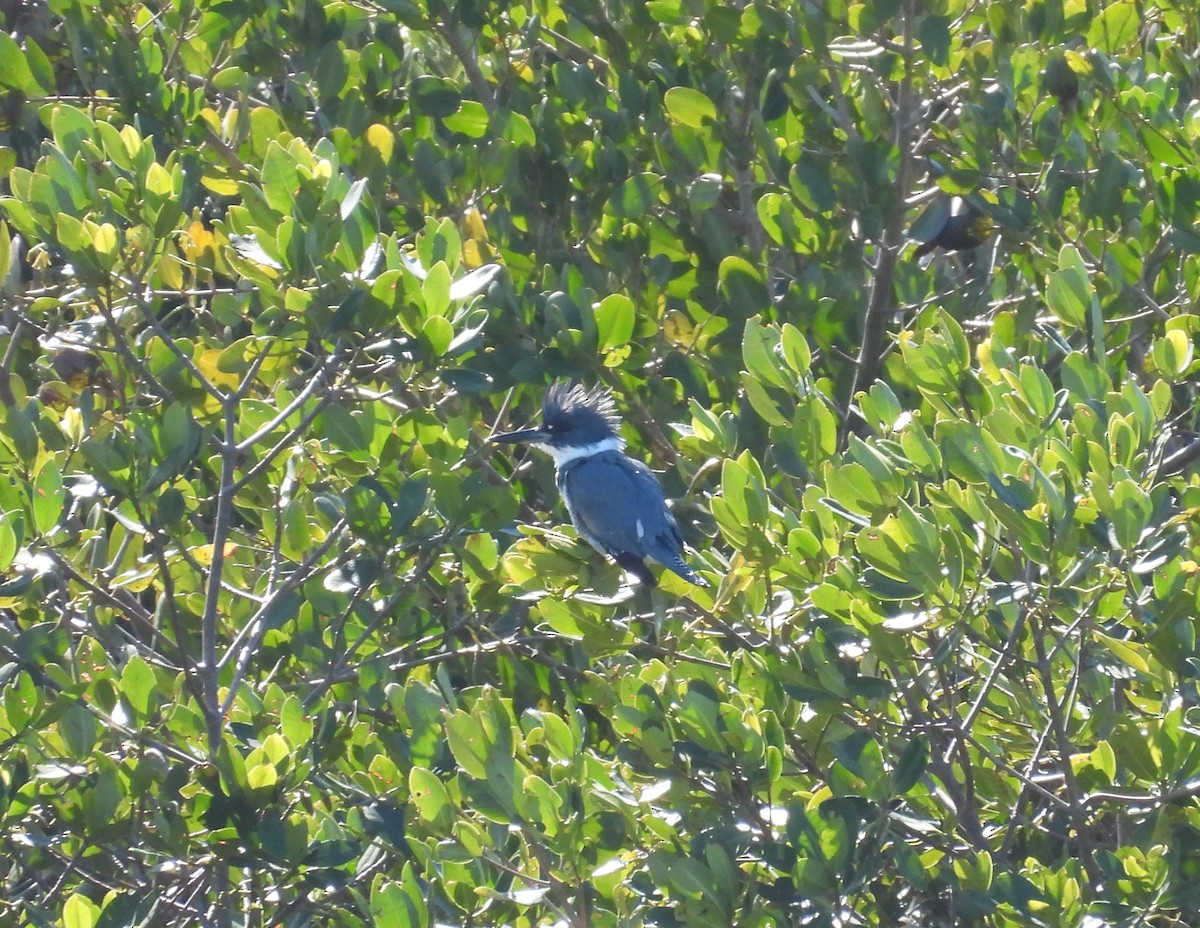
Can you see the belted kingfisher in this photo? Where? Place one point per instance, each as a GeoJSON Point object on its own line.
{"type": "Point", "coordinates": [615, 502]}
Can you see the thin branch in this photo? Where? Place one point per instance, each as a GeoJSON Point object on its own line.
{"type": "Point", "coordinates": [10, 352]}
{"type": "Point", "coordinates": [315, 384]}
{"type": "Point", "coordinates": [1062, 741]}
{"type": "Point", "coordinates": [256, 623]}
{"type": "Point", "coordinates": [286, 441]}
{"type": "Point", "coordinates": [1180, 460]}
{"type": "Point", "coordinates": [223, 520]}
{"type": "Point", "coordinates": [243, 388]}
{"type": "Point", "coordinates": [466, 56]}
{"type": "Point", "coordinates": [1001, 661]}
{"type": "Point", "coordinates": [879, 306]}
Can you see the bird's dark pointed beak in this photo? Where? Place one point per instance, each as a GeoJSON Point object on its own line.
{"type": "Point", "coordinates": [527, 436]}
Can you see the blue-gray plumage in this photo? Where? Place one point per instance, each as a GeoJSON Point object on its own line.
{"type": "Point", "coordinates": [615, 502]}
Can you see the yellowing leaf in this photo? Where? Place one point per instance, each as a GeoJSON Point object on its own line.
{"type": "Point", "coordinates": [678, 329]}
{"type": "Point", "coordinates": [196, 241]}
{"type": "Point", "coordinates": [171, 271]}
{"type": "Point", "coordinates": [104, 238]}
{"type": "Point", "coordinates": [208, 365]}
{"type": "Point", "coordinates": [475, 254]}
{"type": "Point", "coordinates": [261, 776]}
{"type": "Point", "coordinates": [203, 554]}
{"type": "Point", "coordinates": [221, 186]}
{"type": "Point", "coordinates": [476, 226]}
{"type": "Point", "coordinates": [158, 180]}
{"type": "Point", "coordinates": [132, 139]}
{"type": "Point", "coordinates": [72, 424]}
{"type": "Point", "coordinates": [380, 138]}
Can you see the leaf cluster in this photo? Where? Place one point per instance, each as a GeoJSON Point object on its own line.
{"type": "Point", "coordinates": [284, 640]}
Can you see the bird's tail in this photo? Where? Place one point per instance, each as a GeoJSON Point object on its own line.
{"type": "Point", "coordinates": [636, 566]}
{"type": "Point", "coordinates": [679, 566]}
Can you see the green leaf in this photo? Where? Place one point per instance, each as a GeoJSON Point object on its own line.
{"type": "Point", "coordinates": [436, 290]}
{"type": "Point", "coordinates": [48, 497]}
{"type": "Point", "coordinates": [668, 12]}
{"type": "Point", "coordinates": [399, 905]}
{"type": "Point", "coordinates": [103, 798]}
{"type": "Point", "coordinates": [1173, 354]}
{"type": "Point", "coordinates": [760, 352]}
{"type": "Point", "coordinates": [938, 357]}
{"type": "Point", "coordinates": [883, 472]}
{"type": "Point", "coordinates": [516, 128]}
{"type": "Point", "coordinates": [334, 853]}
{"type": "Point", "coordinates": [429, 796]}
{"type": "Point", "coordinates": [474, 283]}
{"type": "Point", "coordinates": [1070, 292]}
{"type": "Point", "coordinates": [352, 198]}
{"type": "Point", "coordinates": [615, 317]}
{"type": "Point", "coordinates": [435, 96]}
{"type": "Point", "coordinates": [742, 284]}
{"type": "Point", "coordinates": [1083, 378]}
{"type": "Point", "coordinates": [8, 541]}
{"type": "Point", "coordinates": [178, 441]}
{"type": "Point", "coordinates": [367, 516]}
{"type": "Point", "coordinates": [471, 120]}
{"type": "Point", "coordinates": [851, 486]}
{"type": "Point", "coordinates": [911, 765]}
{"type": "Point", "coordinates": [14, 70]}
{"type": "Point", "coordinates": [78, 911]}
{"type": "Point", "coordinates": [1126, 652]}
{"type": "Point", "coordinates": [934, 34]}
{"type": "Point", "coordinates": [932, 220]}
{"type": "Point", "coordinates": [689, 107]}
{"type": "Point", "coordinates": [887, 548]}
{"type": "Point", "coordinates": [734, 480]}
{"type": "Point", "coordinates": [439, 333]}
{"type": "Point", "coordinates": [79, 730]}
{"type": "Point", "coordinates": [762, 402]}
{"type": "Point", "coordinates": [1130, 513]}
{"type": "Point", "coordinates": [1116, 28]}
{"type": "Point", "coordinates": [139, 686]}
{"type": "Point", "coordinates": [342, 429]}
{"type": "Point", "coordinates": [409, 503]}
{"type": "Point", "coordinates": [158, 181]}
{"type": "Point", "coordinates": [126, 910]}
{"type": "Point", "coordinates": [542, 805]}
{"type": "Point", "coordinates": [280, 178]}
{"type": "Point", "coordinates": [796, 351]}
{"type": "Point", "coordinates": [814, 430]}
{"type": "Point", "coordinates": [6, 256]}
{"type": "Point", "coordinates": [637, 196]}
{"type": "Point", "coordinates": [1104, 759]}
{"type": "Point", "coordinates": [468, 743]}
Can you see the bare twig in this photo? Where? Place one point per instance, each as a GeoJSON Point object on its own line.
{"type": "Point", "coordinates": [317, 382]}
{"type": "Point", "coordinates": [209, 620]}
{"type": "Point", "coordinates": [255, 628]}
{"type": "Point", "coordinates": [1062, 741]}
{"type": "Point", "coordinates": [466, 56]}
{"type": "Point", "coordinates": [879, 306]}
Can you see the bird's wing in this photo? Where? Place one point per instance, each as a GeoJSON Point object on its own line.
{"type": "Point", "coordinates": [606, 498]}
{"type": "Point", "coordinates": [664, 530]}
{"type": "Point", "coordinates": [663, 540]}
{"type": "Point", "coordinates": [608, 495]}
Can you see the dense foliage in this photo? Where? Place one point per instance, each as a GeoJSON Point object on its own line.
{"type": "Point", "coordinates": [284, 641]}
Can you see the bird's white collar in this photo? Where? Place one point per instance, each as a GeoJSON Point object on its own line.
{"type": "Point", "coordinates": [564, 456]}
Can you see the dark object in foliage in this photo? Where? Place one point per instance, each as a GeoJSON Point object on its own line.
{"type": "Point", "coordinates": [615, 502]}
{"type": "Point", "coordinates": [952, 224]}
